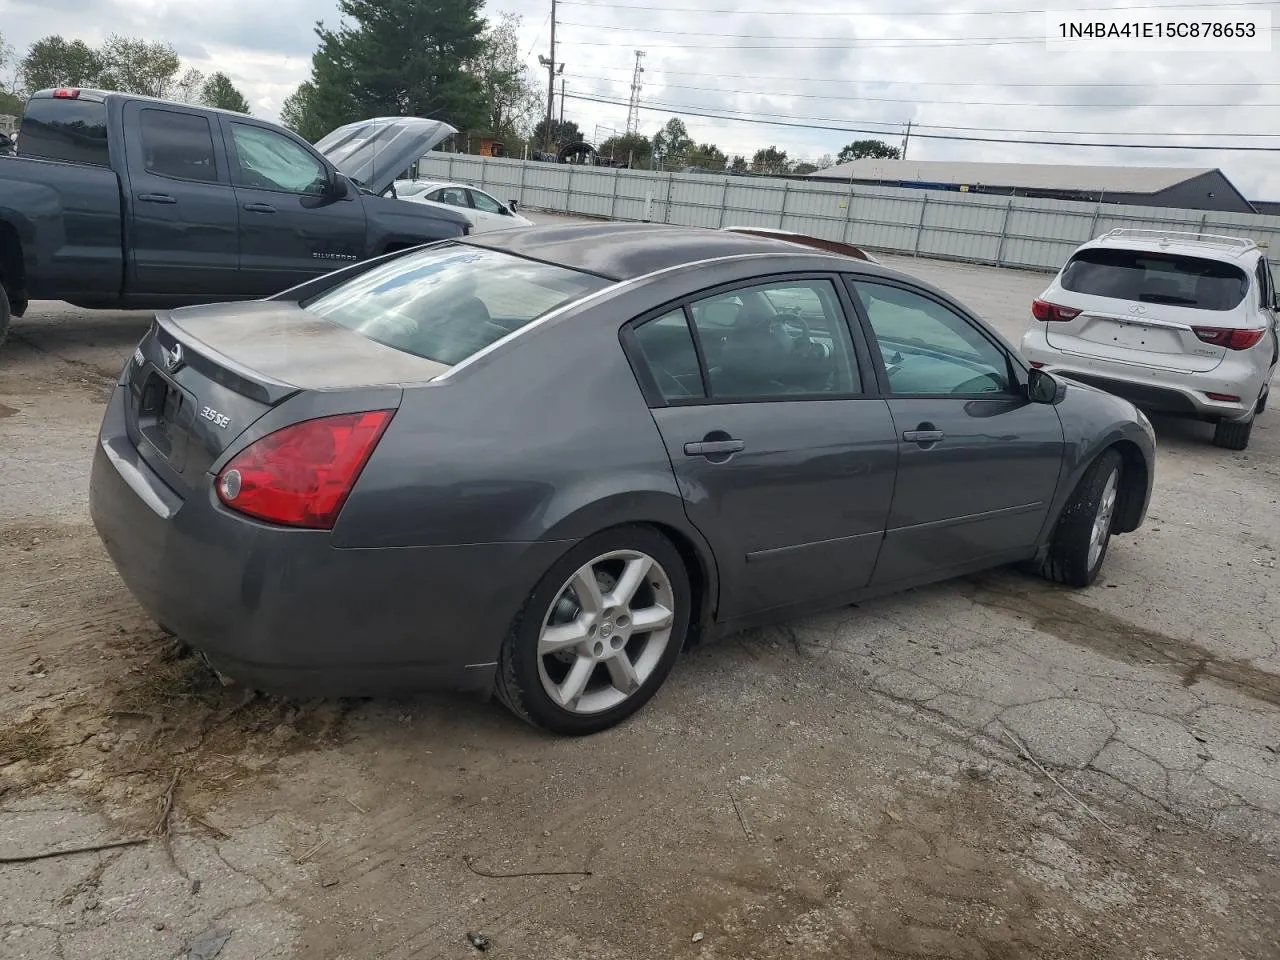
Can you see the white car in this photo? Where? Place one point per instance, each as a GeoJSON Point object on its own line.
{"type": "Point", "coordinates": [1176, 323]}
{"type": "Point", "coordinates": [484, 212]}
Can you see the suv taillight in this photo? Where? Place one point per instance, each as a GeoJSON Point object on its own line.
{"type": "Point", "coordinates": [1047, 312]}
{"type": "Point", "coordinates": [301, 476]}
{"type": "Point", "coordinates": [1232, 339]}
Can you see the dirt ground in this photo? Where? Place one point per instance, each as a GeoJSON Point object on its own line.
{"type": "Point", "coordinates": [990, 768]}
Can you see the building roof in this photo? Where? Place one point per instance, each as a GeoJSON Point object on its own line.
{"type": "Point", "coordinates": [1025, 176]}
{"type": "Point", "coordinates": [623, 251]}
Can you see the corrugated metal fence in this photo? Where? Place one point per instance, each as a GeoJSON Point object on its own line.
{"type": "Point", "coordinates": [1004, 231]}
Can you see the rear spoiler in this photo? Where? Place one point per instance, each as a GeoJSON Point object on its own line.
{"type": "Point", "coordinates": [831, 246]}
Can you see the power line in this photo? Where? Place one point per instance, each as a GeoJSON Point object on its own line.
{"type": "Point", "coordinates": [917, 100]}
{"type": "Point", "coordinates": [848, 128]}
{"type": "Point", "coordinates": [957, 83]}
{"type": "Point", "coordinates": [775, 12]}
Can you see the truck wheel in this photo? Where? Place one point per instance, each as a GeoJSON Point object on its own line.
{"type": "Point", "coordinates": [6, 314]}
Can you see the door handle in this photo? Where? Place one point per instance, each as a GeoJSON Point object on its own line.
{"type": "Point", "coordinates": [925, 433]}
{"type": "Point", "coordinates": [713, 448]}
{"type": "Point", "coordinates": [260, 208]}
{"type": "Point", "coordinates": [156, 198]}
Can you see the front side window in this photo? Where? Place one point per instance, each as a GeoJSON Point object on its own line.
{"type": "Point", "coordinates": [928, 348]}
{"type": "Point", "coordinates": [485, 203]}
{"type": "Point", "coordinates": [65, 128]}
{"type": "Point", "coordinates": [453, 196]}
{"type": "Point", "coordinates": [783, 339]}
{"type": "Point", "coordinates": [268, 161]}
{"type": "Point", "coordinates": [1144, 277]}
{"type": "Point", "coordinates": [178, 145]}
{"type": "Point", "coordinates": [447, 303]}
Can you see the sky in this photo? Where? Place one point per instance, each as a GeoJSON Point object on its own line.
{"type": "Point", "coordinates": [866, 64]}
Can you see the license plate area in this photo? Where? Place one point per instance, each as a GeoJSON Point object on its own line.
{"type": "Point", "coordinates": [1134, 336]}
{"type": "Point", "coordinates": [165, 417]}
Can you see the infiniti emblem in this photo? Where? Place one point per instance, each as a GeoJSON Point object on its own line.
{"type": "Point", "coordinates": [172, 358]}
{"type": "Point", "coordinates": [1137, 308]}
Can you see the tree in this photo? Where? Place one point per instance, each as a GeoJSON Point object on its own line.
{"type": "Point", "coordinates": [802, 167]}
{"type": "Point", "coordinates": [672, 143]}
{"type": "Point", "coordinates": [738, 164]}
{"type": "Point", "coordinates": [511, 98]}
{"type": "Point", "coordinates": [298, 113]}
{"type": "Point", "coordinates": [54, 62]}
{"type": "Point", "coordinates": [707, 156]}
{"type": "Point", "coordinates": [10, 103]}
{"type": "Point", "coordinates": [218, 91]}
{"type": "Point", "coordinates": [769, 160]}
{"type": "Point", "coordinates": [399, 58]}
{"type": "Point", "coordinates": [635, 147]}
{"type": "Point", "coordinates": [563, 133]}
{"type": "Point", "coordinates": [877, 149]}
{"type": "Point", "coordinates": [147, 68]}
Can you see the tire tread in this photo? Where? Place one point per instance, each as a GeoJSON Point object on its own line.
{"type": "Point", "coordinates": [1067, 561]}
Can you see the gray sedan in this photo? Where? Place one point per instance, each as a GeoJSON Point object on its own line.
{"type": "Point", "coordinates": [539, 462]}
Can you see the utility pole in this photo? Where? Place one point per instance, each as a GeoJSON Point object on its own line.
{"type": "Point", "coordinates": [552, 69]}
{"type": "Point", "coordinates": [562, 101]}
{"type": "Point", "coordinates": [633, 109]}
{"type": "Point", "coordinates": [906, 140]}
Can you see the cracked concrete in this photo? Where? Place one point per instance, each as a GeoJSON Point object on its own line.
{"type": "Point", "coordinates": [840, 785]}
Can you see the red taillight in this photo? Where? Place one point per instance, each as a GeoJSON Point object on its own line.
{"type": "Point", "coordinates": [1223, 397]}
{"type": "Point", "coordinates": [67, 93]}
{"type": "Point", "coordinates": [1047, 312]}
{"type": "Point", "coordinates": [1232, 339]}
{"type": "Point", "coordinates": [1038, 366]}
{"type": "Point", "coordinates": [301, 476]}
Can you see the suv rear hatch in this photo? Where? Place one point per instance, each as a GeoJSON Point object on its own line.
{"type": "Point", "coordinates": [1155, 309]}
{"type": "Point", "coordinates": [202, 376]}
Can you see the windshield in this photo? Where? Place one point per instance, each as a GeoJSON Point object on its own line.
{"type": "Point", "coordinates": [1156, 278]}
{"type": "Point", "coordinates": [446, 303]}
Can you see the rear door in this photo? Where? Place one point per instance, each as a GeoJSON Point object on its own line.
{"type": "Point", "coordinates": [182, 236]}
{"type": "Point", "coordinates": [1142, 307]}
{"type": "Point", "coordinates": [289, 231]}
{"type": "Point", "coordinates": [488, 212]}
{"type": "Point", "coordinates": [978, 463]}
{"type": "Point", "coordinates": [783, 450]}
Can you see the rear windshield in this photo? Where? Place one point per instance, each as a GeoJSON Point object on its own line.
{"type": "Point", "coordinates": [1156, 278]}
{"type": "Point", "coordinates": [64, 129]}
{"type": "Point", "coordinates": [446, 303]}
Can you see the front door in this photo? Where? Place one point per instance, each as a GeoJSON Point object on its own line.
{"type": "Point", "coordinates": [183, 208]}
{"type": "Point", "coordinates": [785, 464]}
{"type": "Point", "coordinates": [979, 463]}
{"type": "Point", "coordinates": [289, 231]}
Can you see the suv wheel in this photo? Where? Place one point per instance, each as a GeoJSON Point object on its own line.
{"type": "Point", "coordinates": [1083, 533]}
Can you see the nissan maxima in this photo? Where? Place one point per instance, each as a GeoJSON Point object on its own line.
{"type": "Point", "coordinates": [538, 463]}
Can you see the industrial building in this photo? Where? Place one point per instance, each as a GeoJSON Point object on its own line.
{"type": "Point", "coordinates": [1179, 188]}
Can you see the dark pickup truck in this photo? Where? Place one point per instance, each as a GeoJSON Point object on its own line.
{"type": "Point", "coordinates": [119, 201]}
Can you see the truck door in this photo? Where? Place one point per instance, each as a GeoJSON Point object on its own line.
{"type": "Point", "coordinates": [289, 231]}
{"type": "Point", "coordinates": [182, 207]}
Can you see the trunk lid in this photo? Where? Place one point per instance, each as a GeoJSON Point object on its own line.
{"type": "Point", "coordinates": [1150, 335]}
{"type": "Point", "coordinates": [202, 376]}
{"type": "Point", "coordinates": [374, 152]}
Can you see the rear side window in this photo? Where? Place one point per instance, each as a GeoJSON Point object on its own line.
{"type": "Point", "coordinates": [178, 145]}
{"type": "Point", "coordinates": [1147, 277]}
{"type": "Point", "coordinates": [56, 128]}
{"type": "Point", "coordinates": [446, 303]}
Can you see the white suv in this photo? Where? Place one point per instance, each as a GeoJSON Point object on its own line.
{"type": "Point", "coordinates": [1177, 323]}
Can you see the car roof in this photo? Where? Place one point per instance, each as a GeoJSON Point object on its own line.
{"type": "Point", "coordinates": [1206, 246]}
{"type": "Point", "coordinates": [625, 251]}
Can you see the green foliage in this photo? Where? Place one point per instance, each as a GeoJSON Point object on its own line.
{"type": "Point", "coordinates": [770, 160]}
{"type": "Point", "coordinates": [739, 164]}
{"type": "Point", "coordinates": [635, 146]}
{"type": "Point", "coordinates": [397, 58]}
{"type": "Point", "coordinates": [859, 149]}
{"type": "Point", "coordinates": [563, 133]}
{"type": "Point", "coordinates": [54, 62]}
{"type": "Point", "coordinates": [218, 91]}
{"type": "Point", "coordinates": [299, 114]}
{"type": "Point", "coordinates": [707, 156]}
{"type": "Point", "coordinates": [672, 144]}
{"type": "Point", "coordinates": [512, 100]}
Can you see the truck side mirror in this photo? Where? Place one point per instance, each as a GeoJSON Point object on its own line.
{"type": "Point", "coordinates": [337, 188]}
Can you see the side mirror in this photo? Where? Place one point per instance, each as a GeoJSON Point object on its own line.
{"type": "Point", "coordinates": [512, 205]}
{"type": "Point", "coordinates": [1043, 387]}
{"type": "Point", "coordinates": [337, 188]}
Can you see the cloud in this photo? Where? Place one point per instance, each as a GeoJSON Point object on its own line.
{"type": "Point", "coordinates": [847, 66]}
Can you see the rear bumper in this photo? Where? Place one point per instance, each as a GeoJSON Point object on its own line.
{"type": "Point", "coordinates": [1153, 389]}
{"type": "Point", "coordinates": [285, 611]}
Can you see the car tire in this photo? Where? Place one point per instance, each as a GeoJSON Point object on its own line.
{"type": "Point", "coordinates": [6, 315]}
{"type": "Point", "coordinates": [1080, 540]}
{"type": "Point", "coordinates": [1234, 434]}
{"type": "Point", "coordinates": [560, 644]}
